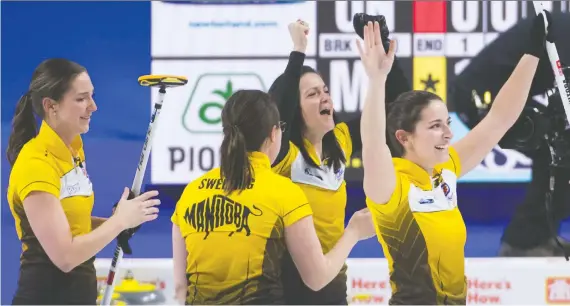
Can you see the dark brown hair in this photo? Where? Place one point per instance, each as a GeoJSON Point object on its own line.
{"type": "Point", "coordinates": [248, 118]}
{"type": "Point", "coordinates": [403, 114]}
{"type": "Point", "coordinates": [51, 79]}
{"type": "Point", "coordinates": [331, 148]}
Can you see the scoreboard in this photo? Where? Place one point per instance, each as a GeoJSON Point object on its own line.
{"type": "Point", "coordinates": [223, 46]}
{"type": "Point", "coordinates": [436, 40]}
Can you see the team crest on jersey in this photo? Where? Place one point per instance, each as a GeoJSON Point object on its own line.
{"type": "Point", "coordinates": [446, 190]}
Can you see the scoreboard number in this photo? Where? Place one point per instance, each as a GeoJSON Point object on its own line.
{"type": "Point", "coordinates": [464, 44]}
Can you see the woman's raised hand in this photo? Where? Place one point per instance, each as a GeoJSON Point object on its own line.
{"type": "Point", "coordinates": [375, 60]}
{"type": "Point", "coordinates": [299, 31]}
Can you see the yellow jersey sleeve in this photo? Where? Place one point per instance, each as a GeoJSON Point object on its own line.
{"type": "Point", "coordinates": [454, 163]}
{"type": "Point", "coordinates": [184, 198]}
{"type": "Point", "coordinates": [36, 175]}
{"type": "Point", "coordinates": [284, 166]}
{"type": "Point", "coordinates": [398, 196]}
{"type": "Point", "coordinates": [344, 140]}
{"type": "Point", "coordinates": [174, 217]}
{"type": "Point", "coordinates": [295, 204]}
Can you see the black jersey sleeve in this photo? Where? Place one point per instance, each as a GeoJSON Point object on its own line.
{"type": "Point", "coordinates": [285, 91]}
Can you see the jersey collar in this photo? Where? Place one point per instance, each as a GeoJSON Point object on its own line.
{"type": "Point", "coordinates": [311, 151]}
{"type": "Point", "coordinates": [259, 159]}
{"type": "Point", "coordinates": [55, 144]}
{"type": "Point", "coordinates": [415, 172]}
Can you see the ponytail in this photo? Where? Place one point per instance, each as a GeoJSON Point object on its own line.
{"type": "Point", "coordinates": [235, 166]}
{"type": "Point", "coordinates": [23, 128]}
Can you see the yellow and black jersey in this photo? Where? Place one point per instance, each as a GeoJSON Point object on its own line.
{"type": "Point", "coordinates": [423, 234]}
{"type": "Point", "coordinates": [326, 191]}
{"type": "Point", "coordinates": [235, 242]}
{"type": "Point", "coordinates": [46, 164]}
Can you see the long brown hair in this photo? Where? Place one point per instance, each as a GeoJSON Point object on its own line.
{"type": "Point", "coordinates": [297, 128]}
{"type": "Point", "coordinates": [51, 79]}
{"type": "Point", "coordinates": [248, 118]}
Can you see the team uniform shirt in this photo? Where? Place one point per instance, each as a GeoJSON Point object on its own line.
{"type": "Point", "coordinates": [324, 188]}
{"type": "Point", "coordinates": [46, 164]}
{"type": "Point", "coordinates": [423, 235]}
{"type": "Point", "coordinates": [326, 191]}
{"type": "Point", "coordinates": [235, 242]}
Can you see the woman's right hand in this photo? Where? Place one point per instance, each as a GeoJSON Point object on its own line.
{"type": "Point", "coordinates": [362, 225]}
{"type": "Point", "coordinates": [299, 31]}
{"type": "Point", "coordinates": [134, 212]}
{"type": "Point", "coordinates": [376, 62]}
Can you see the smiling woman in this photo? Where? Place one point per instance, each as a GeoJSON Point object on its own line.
{"type": "Point", "coordinates": [410, 176]}
{"type": "Point", "coordinates": [314, 154]}
{"type": "Point", "coordinates": [50, 194]}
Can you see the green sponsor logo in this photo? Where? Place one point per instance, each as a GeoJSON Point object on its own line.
{"type": "Point", "coordinates": [202, 113]}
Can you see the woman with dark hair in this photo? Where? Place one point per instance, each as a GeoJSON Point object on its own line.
{"type": "Point", "coordinates": [50, 194]}
{"type": "Point", "coordinates": [314, 152]}
{"type": "Point", "coordinates": [232, 226]}
{"type": "Point", "coordinates": [410, 175]}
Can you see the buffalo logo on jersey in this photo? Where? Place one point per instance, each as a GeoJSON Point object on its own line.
{"type": "Point", "coordinates": [217, 211]}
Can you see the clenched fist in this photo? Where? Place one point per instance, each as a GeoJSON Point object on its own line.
{"type": "Point", "coordinates": [299, 31]}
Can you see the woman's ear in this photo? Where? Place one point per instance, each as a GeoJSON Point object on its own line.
{"type": "Point", "coordinates": [49, 106]}
{"type": "Point", "coordinates": [402, 136]}
{"type": "Point", "coordinates": [274, 132]}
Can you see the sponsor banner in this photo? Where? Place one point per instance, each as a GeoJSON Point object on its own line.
{"type": "Point", "coordinates": [189, 132]}
{"type": "Point", "coordinates": [558, 290]}
{"type": "Point", "coordinates": [227, 29]}
{"type": "Point", "coordinates": [505, 281]}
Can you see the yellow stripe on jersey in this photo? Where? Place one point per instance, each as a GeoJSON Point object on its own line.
{"type": "Point", "coordinates": [430, 73]}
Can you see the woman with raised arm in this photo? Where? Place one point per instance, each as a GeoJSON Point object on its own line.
{"type": "Point", "coordinates": [410, 175]}
{"type": "Point", "coordinates": [232, 226]}
{"type": "Point", "coordinates": [51, 196]}
{"type": "Point", "coordinates": [314, 152]}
